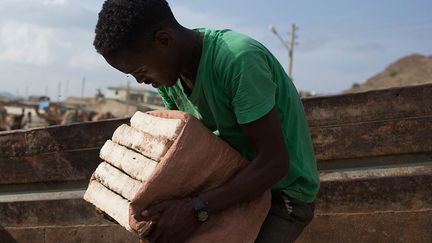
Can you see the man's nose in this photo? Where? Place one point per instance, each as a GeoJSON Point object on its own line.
{"type": "Point", "coordinates": [141, 80]}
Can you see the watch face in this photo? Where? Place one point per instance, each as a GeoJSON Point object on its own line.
{"type": "Point", "coordinates": [202, 216]}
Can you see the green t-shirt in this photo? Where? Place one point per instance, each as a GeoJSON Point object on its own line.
{"type": "Point", "coordinates": [239, 81]}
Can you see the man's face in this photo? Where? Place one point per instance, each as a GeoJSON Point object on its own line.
{"type": "Point", "coordinates": [153, 64]}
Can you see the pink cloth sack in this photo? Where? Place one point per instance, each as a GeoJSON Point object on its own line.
{"type": "Point", "coordinates": [198, 161]}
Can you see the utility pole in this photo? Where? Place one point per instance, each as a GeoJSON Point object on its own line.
{"type": "Point", "coordinates": [83, 86]}
{"type": "Point", "coordinates": [127, 97]}
{"type": "Point", "coordinates": [58, 92]}
{"type": "Point", "coordinates": [291, 49]}
{"type": "Point", "coordinates": [66, 92]}
{"type": "Point", "coordinates": [289, 45]}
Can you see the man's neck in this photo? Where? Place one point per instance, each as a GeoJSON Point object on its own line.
{"type": "Point", "coordinates": [192, 43]}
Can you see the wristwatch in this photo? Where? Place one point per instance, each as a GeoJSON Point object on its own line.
{"type": "Point", "coordinates": [201, 213]}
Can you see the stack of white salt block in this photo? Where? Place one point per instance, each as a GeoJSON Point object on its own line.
{"type": "Point", "coordinates": [129, 160]}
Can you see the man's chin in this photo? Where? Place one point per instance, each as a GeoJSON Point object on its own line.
{"type": "Point", "coordinates": [171, 83]}
{"type": "Point", "coordinates": [166, 84]}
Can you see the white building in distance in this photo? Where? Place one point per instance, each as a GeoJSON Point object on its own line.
{"type": "Point", "coordinates": [134, 95]}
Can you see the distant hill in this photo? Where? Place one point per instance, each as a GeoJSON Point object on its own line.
{"type": "Point", "coordinates": [409, 70]}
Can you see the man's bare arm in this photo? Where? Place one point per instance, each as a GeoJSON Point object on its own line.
{"type": "Point", "coordinates": [269, 166]}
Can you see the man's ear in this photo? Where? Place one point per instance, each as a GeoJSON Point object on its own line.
{"type": "Point", "coordinates": [164, 37]}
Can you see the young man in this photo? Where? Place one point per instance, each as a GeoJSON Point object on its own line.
{"type": "Point", "coordinates": [237, 88]}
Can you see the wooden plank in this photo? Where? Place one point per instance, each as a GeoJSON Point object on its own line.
{"type": "Point", "coordinates": [57, 138]}
{"type": "Point", "coordinates": [392, 189]}
{"type": "Point", "coordinates": [406, 190]}
{"type": "Point", "coordinates": [49, 167]}
{"type": "Point", "coordinates": [89, 234]}
{"type": "Point", "coordinates": [30, 196]}
{"type": "Point", "coordinates": [394, 201]}
{"type": "Point", "coordinates": [351, 228]}
{"type": "Point", "coordinates": [411, 135]}
{"type": "Point", "coordinates": [377, 105]}
{"type": "Point", "coordinates": [410, 226]}
{"type": "Point", "coordinates": [22, 235]}
{"type": "Point", "coordinates": [68, 234]}
{"type": "Point", "coordinates": [47, 213]}
{"type": "Point", "coordinates": [360, 140]}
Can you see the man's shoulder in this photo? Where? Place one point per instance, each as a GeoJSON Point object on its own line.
{"type": "Point", "coordinates": [229, 48]}
{"type": "Point", "coordinates": [238, 43]}
{"type": "Point", "coordinates": [230, 54]}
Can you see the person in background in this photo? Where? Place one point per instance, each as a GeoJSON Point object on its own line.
{"type": "Point", "coordinates": [3, 119]}
{"type": "Point", "coordinates": [17, 121]}
{"type": "Point", "coordinates": [26, 122]}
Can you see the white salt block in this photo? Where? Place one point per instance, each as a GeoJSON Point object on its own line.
{"type": "Point", "coordinates": [148, 145]}
{"type": "Point", "coordinates": [117, 181]}
{"type": "Point", "coordinates": [132, 163]}
{"type": "Point", "coordinates": [157, 126]}
{"type": "Point", "coordinates": [109, 202]}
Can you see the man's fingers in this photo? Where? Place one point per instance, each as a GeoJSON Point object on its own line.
{"type": "Point", "coordinates": [153, 218]}
{"type": "Point", "coordinates": [155, 234]}
{"type": "Point", "coordinates": [154, 211]}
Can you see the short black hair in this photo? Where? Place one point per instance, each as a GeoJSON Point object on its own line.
{"type": "Point", "coordinates": [121, 22]}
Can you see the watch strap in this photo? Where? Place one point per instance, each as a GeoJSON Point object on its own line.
{"type": "Point", "coordinates": [198, 204]}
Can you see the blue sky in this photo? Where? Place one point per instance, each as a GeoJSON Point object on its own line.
{"type": "Point", "coordinates": [47, 42]}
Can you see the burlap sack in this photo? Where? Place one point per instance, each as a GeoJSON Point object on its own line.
{"type": "Point", "coordinates": [198, 161]}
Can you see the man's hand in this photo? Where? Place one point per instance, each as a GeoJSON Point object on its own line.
{"type": "Point", "coordinates": [175, 220]}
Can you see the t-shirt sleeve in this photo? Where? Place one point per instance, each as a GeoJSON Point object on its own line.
{"type": "Point", "coordinates": [251, 86]}
{"type": "Point", "coordinates": [168, 102]}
